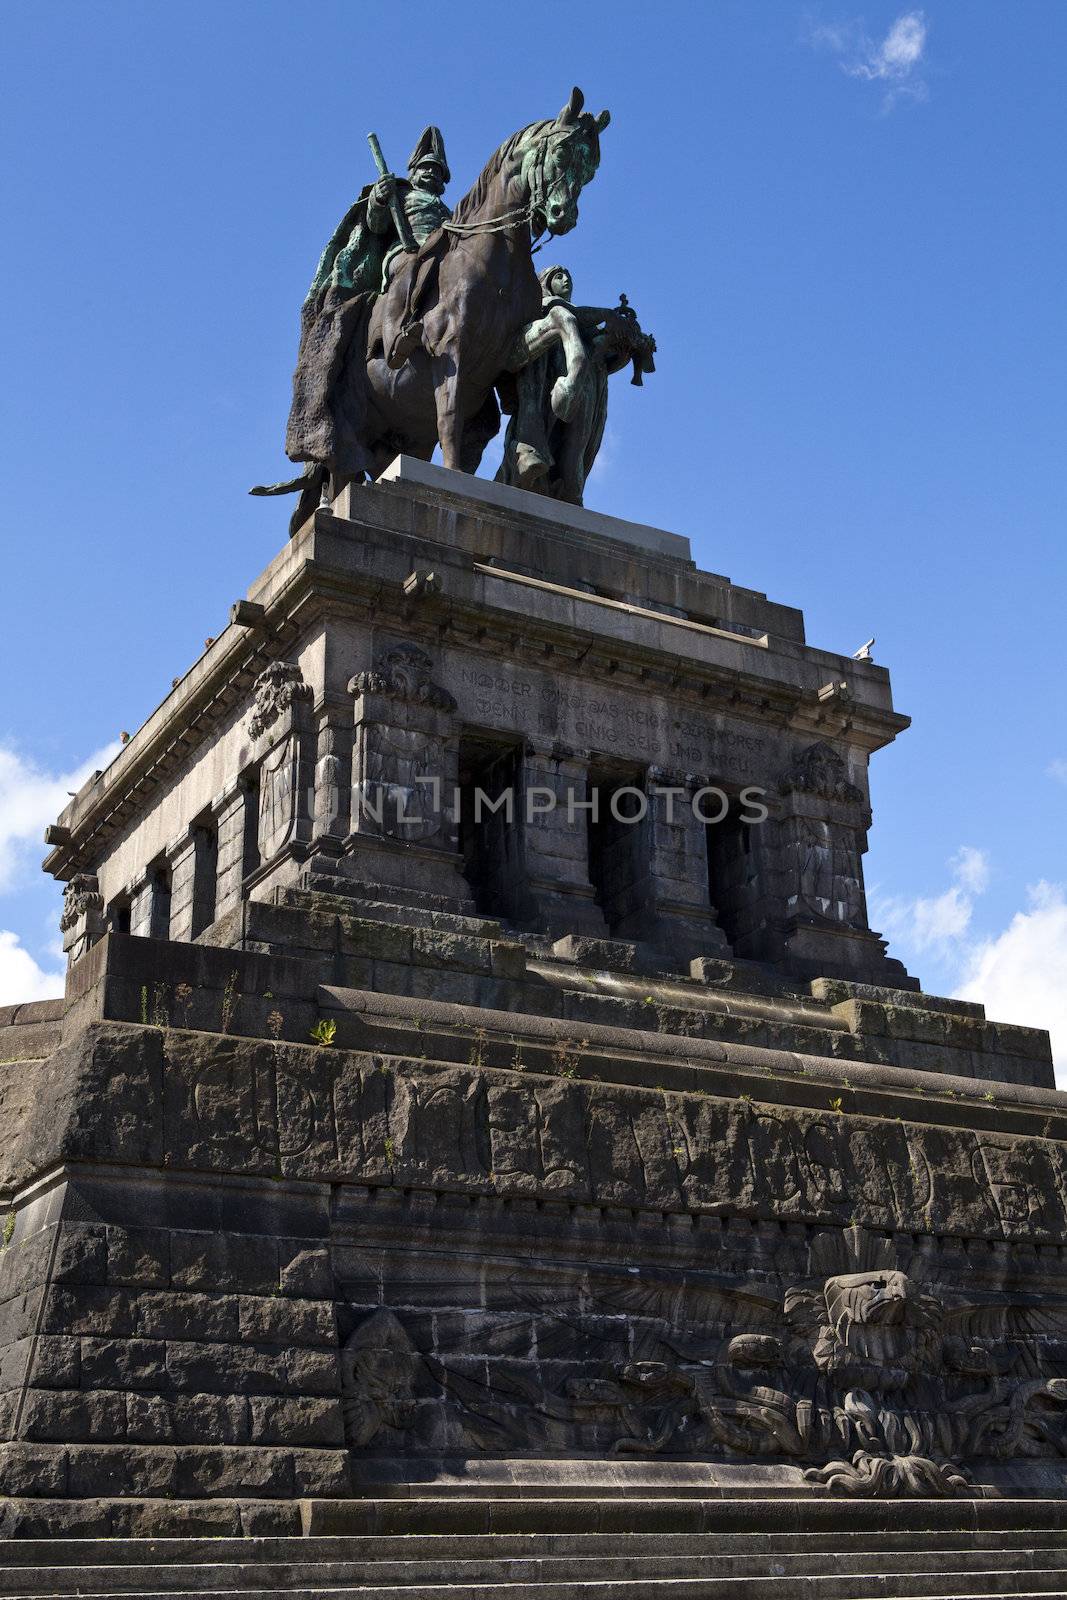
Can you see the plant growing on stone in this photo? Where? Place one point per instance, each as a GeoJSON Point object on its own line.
{"type": "Point", "coordinates": [324, 1032]}
{"type": "Point", "coordinates": [230, 1000]}
{"type": "Point", "coordinates": [183, 995]}
{"type": "Point", "coordinates": [159, 1016]}
{"type": "Point", "coordinates": [275, 1024]}
{"type": "Point", "coordinates": [9, 1228]}
{"type": "Point", "coordinates": [476, 1058]}
{"type": "Point", "coordinates": [567, 1055]}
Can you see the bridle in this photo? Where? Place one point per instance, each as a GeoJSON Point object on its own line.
{"type": "Point", "coordinates": [540, 197]}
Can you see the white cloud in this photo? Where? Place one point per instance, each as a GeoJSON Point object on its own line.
{"type": "Point", "coordinates": [895, 61]}
{"type": "Point", "coordinates": [1058, 769]}
{"type": "Point", "coordinates": [20, 976]}
{"type": "Point", "coordinates": [936, 922]}
{"type": "Point", "coordinates": [899, 53]}
{"type": "Point", "coordinates": [1021, 974]}
{"type": "Point", "coordinates": [971, 868]}
{"type": "Point", "coordinates": [30, 798]}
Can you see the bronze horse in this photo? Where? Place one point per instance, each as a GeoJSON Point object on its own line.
{"type": "Point", "coordinates": [475, 290]}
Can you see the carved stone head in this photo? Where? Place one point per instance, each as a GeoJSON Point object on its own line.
{"type": "Point", "coordinates": [379, 1366]}
{"type": "Point", "coordinates": [81, 895]}
{"type": "Point", "coordinates": [275, 690]}
{"type": "Point", "coordinates": [879, 1329]}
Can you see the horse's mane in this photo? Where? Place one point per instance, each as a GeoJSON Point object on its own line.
{"type": "Point", "coordinates": [475, 198]}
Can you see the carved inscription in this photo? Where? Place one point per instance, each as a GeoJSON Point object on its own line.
{"type": "Point", "coordinates": [254, 1107]}
{"type": "Point", "coordinates": [635, 725]}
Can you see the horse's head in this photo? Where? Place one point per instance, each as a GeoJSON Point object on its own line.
{"type": "Point", "coordinates": [560, 158]}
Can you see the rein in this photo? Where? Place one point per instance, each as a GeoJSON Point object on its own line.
{"type": "Point", "coordinates": [509, 219]}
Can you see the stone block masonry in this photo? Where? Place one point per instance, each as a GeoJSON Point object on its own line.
{"type": "Point", "coordinates": [396, 1131]}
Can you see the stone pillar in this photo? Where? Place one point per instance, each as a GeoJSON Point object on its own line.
{"type": "Point", "coordinates": [150, 905]}
{"type": "Point", "coordinates": [555, 894]}
{"type": "Point", "coordinates": [404, 833]}
{"type": "Point", "coordinates": [82, 919]}
{"type": "Point", "coordinates": [821, 838]}
{"type": "Point", "coordinates": [194, 870]}
{"type": "Point", "coordinates": [332, 811]}
{"type": "Point", "coordinates": [666, 900]}
{"type": "Point", "coordinates": [231, 811]}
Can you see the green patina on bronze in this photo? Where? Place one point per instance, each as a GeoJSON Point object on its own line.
{"type": "Point", "coordinates": [412, 315]}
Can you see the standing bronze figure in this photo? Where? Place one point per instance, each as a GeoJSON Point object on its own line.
{"type": "Point", "coordinates": [558, 399]}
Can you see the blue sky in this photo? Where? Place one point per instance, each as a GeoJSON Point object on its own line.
{"type": "Point", "coordinates": [846, 229]}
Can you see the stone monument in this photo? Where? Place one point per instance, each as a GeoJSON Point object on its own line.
{"type": "Point", "coordinates": [480, 1105]}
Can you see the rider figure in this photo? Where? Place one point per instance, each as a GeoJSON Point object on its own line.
{"type": "Point", "coordinates": [421, 199]}
{"type": "Point", "coordinates": [363, 246]}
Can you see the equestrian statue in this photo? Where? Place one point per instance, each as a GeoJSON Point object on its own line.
{"type": "Point", "coordinates": [417, 314]}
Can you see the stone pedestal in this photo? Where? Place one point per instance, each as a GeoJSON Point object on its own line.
{"type": "Point", "coordinates": [524, 1146]}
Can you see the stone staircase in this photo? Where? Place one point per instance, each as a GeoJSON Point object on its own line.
{"type": "Point", "coordinates": [596, 1550]}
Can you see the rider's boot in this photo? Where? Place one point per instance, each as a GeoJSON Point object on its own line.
{"type": "Point", "coordinates": [403, 347]}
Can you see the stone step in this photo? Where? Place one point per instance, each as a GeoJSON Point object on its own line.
{"type": "Point", "coordinates": [53, 1532]}
{"type": "Point", "coordinates": [693, 1513]}
{"type": "Point", "coordinates": [424, 1567]}
{"type": "Point", "coordinates": [381, 904]}
{"type": "Point", "coordinates": [935, 1585]}
{"type": "Point", "coordinates": [16, 1554]}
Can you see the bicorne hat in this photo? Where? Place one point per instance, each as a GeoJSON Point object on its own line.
{"type": "Point", "coordinates": [431, 147]}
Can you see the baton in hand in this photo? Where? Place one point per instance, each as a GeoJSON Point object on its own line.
{"type": "Point", "coordinates": [396, 205]}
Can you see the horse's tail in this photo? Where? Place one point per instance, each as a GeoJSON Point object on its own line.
{"type": "Point", "coordinates": [310, 486]}
{"type": "Point", "coordinates": [290, 486]}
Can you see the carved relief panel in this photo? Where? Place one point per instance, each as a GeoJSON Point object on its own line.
{"type": "Point", "coordinates": [404, 759]}
{"type": "Point", "coordinates": [821, 838]}
{"type": "Point", "coordinates": [281, 727]}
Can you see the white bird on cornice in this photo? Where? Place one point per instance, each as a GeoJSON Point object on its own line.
{"type": "Point", "coordinates": [864, 652]}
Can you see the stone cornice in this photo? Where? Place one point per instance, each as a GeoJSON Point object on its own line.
{"type": "Point", "coordinates": [300, 587]}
